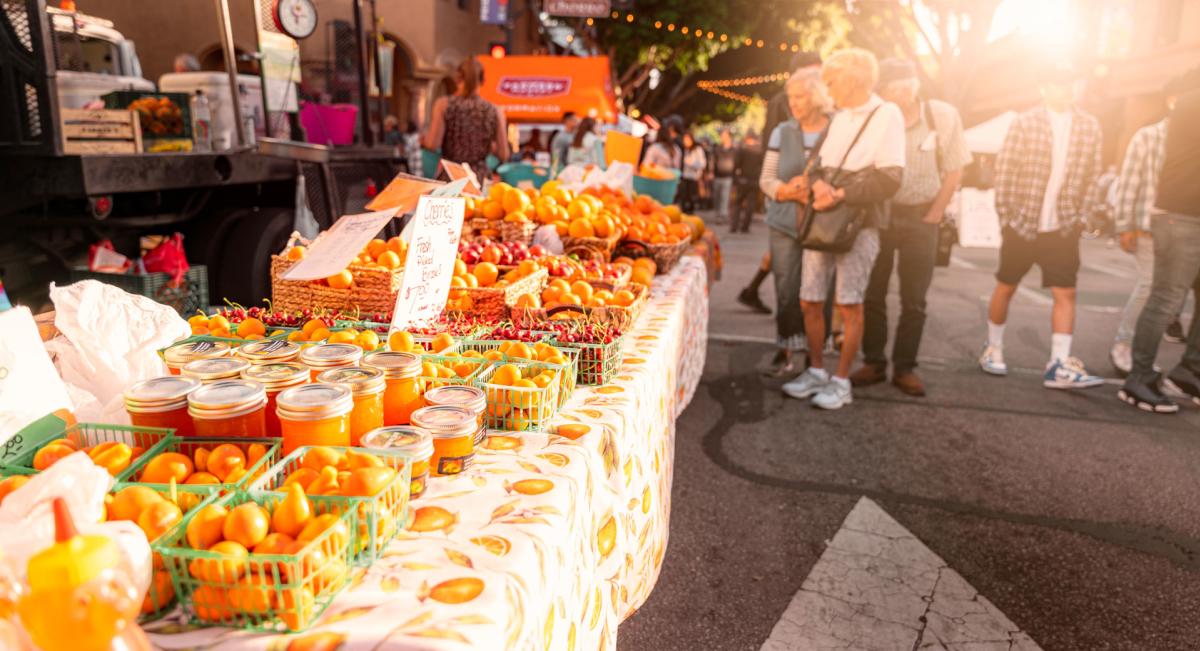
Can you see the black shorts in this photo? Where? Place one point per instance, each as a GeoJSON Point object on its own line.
{"type": "Point", "coordinates": [1056, 254]}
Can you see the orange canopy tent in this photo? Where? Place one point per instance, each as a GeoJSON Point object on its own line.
{"type": "Point", "coordinates": [542, 88]}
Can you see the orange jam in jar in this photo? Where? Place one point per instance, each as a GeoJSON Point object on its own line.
{"type": "Point", "coordinates": [180, 354]}
{"type": "Point", "coordinates": [162, 402]}
{"type": "Point", "coordinates": [368, 386]}
{"type": "Point", "coordinates": [453, 432]}
{"type": "Point", "coordinates": [229, 409]}
{"type": "Point", "coordinates": [215, 369]}
{"type": "Point", "coordinates": [460, 395]}
{"type": "Point", "coordinates": [275, 377]}
{"type": "Point", "coordinates": [403, 394]}
{"type": "Point", "coordinates": [323, 357]}
{"type": "Point", "coordinates": [315, 414]}
{"type": "Point", "coordinates": [414, 442]}
{"type": "Point", "coordinates": [268, 351]}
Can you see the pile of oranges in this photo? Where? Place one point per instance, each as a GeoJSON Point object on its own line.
{"type": "Point", "coordinates": [315, 330]}
{"type": "Point", "coordinates": [219, 326]}
{"type": "Point", "coordinates": [378, 254]}
{"type": "Point", "coordinates": [226, 463]}
{"type": "Point", "coordinates": [561, 292]}
{"type": "Point", "coordinates": [519, 406]}
{"type": "Point", "coordinates": [113, 456]}
{"type": "Point", "coordinates": [154, 513]}
{"type": "Point", "coordinates": [643, 269]}
{"type": "Point", "coordinates": [401, 341]}
{"type": "Point", "coordinates": [483, 274]}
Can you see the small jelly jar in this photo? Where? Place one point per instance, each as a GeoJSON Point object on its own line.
{"type": "Point", "coordinates": [268, 351]}
{"type": "Point", "coordinates": [323, 357]}
{"type": "Point", "coordinates": [229, 409]}
{"type": "Point", "coordinates": [315, 414]}
{"type": "Point", "coordinates": [215, 369]}
{"type": "Point", "coordinates": [162, 402]}
{"type": "Point", "coordinates": [453, 432]}
{"type": "Point", "coordinates": [403, 394]}
{"type": "Point", "coordinates": [177, 356]}
{"type": "Point", "coordinates": [414, 442]}
{"type": "Point", "coordinates": [275, 377]}
{"type": "Point", "coordinates": [460, 395]}
{"type": "Point", "coordinates": [367, 385]}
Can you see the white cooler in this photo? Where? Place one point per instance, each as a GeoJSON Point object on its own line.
{"type": "Point", "coordinates": [216, 88]}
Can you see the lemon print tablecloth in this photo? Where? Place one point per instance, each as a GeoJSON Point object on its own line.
{"type": "Point", "coordinates": [546, 542]}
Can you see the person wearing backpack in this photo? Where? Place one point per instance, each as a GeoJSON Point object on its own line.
{"type": "Point", "coordinates": [935, 155]}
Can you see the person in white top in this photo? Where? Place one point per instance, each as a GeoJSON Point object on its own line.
{"type": "Point", "coordinates": [859, 163]}
{"type": "Point", "coordinates": [583, 150]}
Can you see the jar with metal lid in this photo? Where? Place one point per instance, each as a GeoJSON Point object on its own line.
{"type": "Point", "coordinates": [403, 394]}
{"type": "Point", "coordinates": [229, 408]}
{"type": "Point", "coordinates": [180, 354]}
{"type": "Point", "coordinates": [414, 442]}
{"type": "Point", "coordinates": [323, 357]}
{"type": "Point", "coordinates": [162, 402]}
{"type": "Point", "coordinates": [460, 395]}
{"type": "Point", "coordinates": [453, 432]}
{"type": "Point", "coordinates": [314, 414]}
{"type": "Point", "coordinates": [215, 369]}
{"type": "Point", "coordinates": [367, 385]}
{"type": "Point", "coordinates": [268, 351]}
{"type": "Point", "coordinates": [275, 377]}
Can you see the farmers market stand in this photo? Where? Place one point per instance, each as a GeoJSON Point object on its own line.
{"type": "Point", "coordinates": [546, 542]}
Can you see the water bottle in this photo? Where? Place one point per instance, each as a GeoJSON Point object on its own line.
{"type": "Point", "coordinates": [201, 122]}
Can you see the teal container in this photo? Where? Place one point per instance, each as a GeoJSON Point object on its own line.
{"type": "Point", "coordinates": [429, 162]}
{"type": "Point", "coordinates": [514, 173]}
{"type": "Point", "coordinates": [663, 191]}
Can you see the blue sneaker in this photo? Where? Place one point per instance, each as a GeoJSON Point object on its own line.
{"type": "Point", "coordinates": [991, 361]}
{"type": "Point", "coordinates": [1069, 373]}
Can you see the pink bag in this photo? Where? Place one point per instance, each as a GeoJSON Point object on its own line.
{"type": "Point", "coordinates": [168, 257]}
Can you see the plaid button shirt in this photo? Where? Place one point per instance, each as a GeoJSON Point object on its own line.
{"type": "Point", "coordinates": [1138, 183]}
{"type": "Point", "coordinates": [1023, 171]}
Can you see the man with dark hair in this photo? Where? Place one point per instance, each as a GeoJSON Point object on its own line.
{"type": "Point", "coordinates": [1046, 166]}
{"type": "Point", "coordinates": [1176, 262]}
{"type": "Point", "coordinates": [562, 139]}
{"type": "Point", "coordinates": [777, 108]}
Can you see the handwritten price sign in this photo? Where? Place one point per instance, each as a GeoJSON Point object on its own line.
{"type": "Point", "coordinates": [432, 248]}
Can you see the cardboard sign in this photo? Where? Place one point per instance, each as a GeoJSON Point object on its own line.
{"type": "Point", "coordinates": [458, 171]}
{"type": "Point", "coordinates": [433, 246]}
{"type": "Point", "coordinates": [978, 223]}
{"type": "Point", "coordinates": [402, 192]}
{"type": "Point", "coordinates": [622, 147]}
{"type": "Point", "coordinates": [336, 248]}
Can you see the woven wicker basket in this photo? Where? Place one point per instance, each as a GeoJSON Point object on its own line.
{"type": "Point", "coordinates": [622, 317]}
{"type": "Point", "coordinates": [664, 255]}
{"type": "Point", "coordinates": [613, 284]}
{"type": "Point", "coordinates": [518, 232]}
{"type": "Point", "coordinates": [374, 290]}
{"type": "Point", "coordinates": [601, 246]}
{"type": "Point", "coordinates": [493, 303]}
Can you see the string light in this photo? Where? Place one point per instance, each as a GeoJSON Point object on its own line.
{"type": "Point", "coordinates": [683, 30]}
{"type": "Point", "coordinates": [616, 14]}
{"type": "Point", "coordinates": [700, 32]}
{"type": "Point", "coordinates": [671, 27]}
{"type": "Point", "coordinates": [709, 36]}
{"type": "Point", "coordinates": [658, 24]}
{"type": "Point", "coordinates": [728, 94]}
{"type": "Point", "coordinates": [590, 22]}
{"type": "Point", "coordinates": [724, 37]}
{"type": "Point", "coordinates": [629, 18]}
{"type": "Point", "coordinates": [743, 81]}
{"type": "Point", "coordinates": [759, 43]}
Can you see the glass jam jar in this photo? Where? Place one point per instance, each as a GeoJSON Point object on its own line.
{"type": "Point", "coordinates": [276, 377]}
{"type": "Point", "coordinates": [229, 409]}
{"type": "Point", "coordinates": [459, 395]}
{"type": "Point", "coordinates": [162, 402]}
{"type": "Point", "coordinates": [180, 354]}
{"type": "Point", "coordinates": [453, 432]}
{"type": "Point", "coordinates": [215, 369]}
{"type": "Point", "coordinates": [367, 386]}
{"type": "Point", "coordinates": [414, 442]}
{"type": "Point", "coordinates": [314, 414]}
{"type": "Point", "coordinates": [323, 357]}
{"type": "Point", "coordinates": [403, 394]}
{"type": "Point", "coordinates": [268, 351]}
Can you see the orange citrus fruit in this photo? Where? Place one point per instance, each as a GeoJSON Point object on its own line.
{"type": "Point", "coordinates": [247, 524]}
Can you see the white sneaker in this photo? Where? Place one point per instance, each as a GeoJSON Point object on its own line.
{"type": "Point", "coordinates": [807, 384]}
{"type": "Point", "coordinates": [1069, 373]}
{"type": "Point", "coordinates": [992, 360]}
{"type": "Point", "coordinates": [1121, 357]}
{"type": "Point", "coordinates": [834, 395]}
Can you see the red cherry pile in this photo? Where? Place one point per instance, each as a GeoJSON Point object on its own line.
{"type": "Point", "coordinates": [485, 249]}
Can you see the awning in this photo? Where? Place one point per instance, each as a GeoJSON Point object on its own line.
{"type": "Point", "coordinates": [542, 88]}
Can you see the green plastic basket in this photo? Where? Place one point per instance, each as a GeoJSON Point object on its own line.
{"type": "Point", "coordinates": [160, 598]}
{"type": "Point", "coordinates": [598, 363]}
{"type": "Point", "coordinates": [189, 445]}
{"type": "Point", "coordinates": [521, 408]}
{"type": "Point", "coordinates": [276, 599]}
{"type": "Point", "coordinates": [86, 435]}
{"type": "Point", "coordinates": [380, 517]}
{"type": "Point", "coordinates": [428, 382]}
{"type": "Point", "coordinates": [570, 369]}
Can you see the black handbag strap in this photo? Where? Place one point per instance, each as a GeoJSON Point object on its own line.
{"type": "Point", "coordinates": [846, 154]}
{"type": "Point", "coordinates": [816, 148]}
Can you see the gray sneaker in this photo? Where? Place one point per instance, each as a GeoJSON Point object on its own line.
{"type": "Point", "coordinates": [834, 395]}
{"type": "Point", "coordinates": [807, 384]}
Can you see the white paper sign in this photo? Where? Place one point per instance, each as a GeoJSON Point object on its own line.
{"type": "Point", "coordinates": [336, 248]}
{"type": "Point", "coordinates": [978, 223]}
{"type": "Point", "coordinates": [433, 246]}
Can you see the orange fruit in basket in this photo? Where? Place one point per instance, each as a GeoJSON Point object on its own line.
{"type": "Point", "coordinates": [458, 281]}
{"type": "Point", "coordinates": [201, 479]}
{"type": "Point", "coordinates": [50, 454]}
{"type": "Point", "coordinates": [642, 276]}
{"type": "Point", "coordinates": [320, 456]}
{"type": "Point", "coordinates": [603, 226]}
{"type": "Point", "coordinates": [519, 350]}
{"type": "Point", "coordinates": [206, 527]}
{"type": "Point", "coordinates": [623, 297]}
{"type": "Point", "coordinates": [368, 340]}
{"type": "Point", "coordinates": [486, 273]}
{"type": "Point", "coordinates": [302, 476]}
{"type": "Point", "coordinates": [376, 247]}
{"type": "Point", "coordinates": [398, 245]}
{"type": "Point", "coordinates": [218, 322]}
{"type": "Point", "coordinates": [441, 342]}
{"type": "Point", "coordinates": [581, 227]}
{"type": "Point", "coordinates": [506, 375]}
{"type": "Point", "coordinates": [129, 502]}
{"type": "Point", "coordinates": [10, 484]}
{"type": "Point", "coordinates": [341, 280]}
{"type": "Point", "coordinates": [320, 334]}
{"type": "Point", "coordinates": [157, 518]}
{"type": "Point", "coordinates": [247, 524]}
{"type": "Point", "coordinates": [400, 341]}
{"type": "Point", "coordinates": [274, 543]}
{"type": "Point", "coordinates": [211, 604]}
{"type": "Point", "coordinates": [297, 606]}
{"type": "Point", "coordinates": [227, 569]}
{"type": "Point", "coordinates": [389, 259]}
{"type": "Point", "coordinates": [460, 267]}
{"type": "Point", "coordinates": [492, 209]}
{"type": "Point", "coordinates": [296, 252]}
{"type": "Point", "coordinates": [255, 593]}
{"type": "Point", "coordinates": [366, 482]}
{"type": "Point", "coordinates": [529, 301]}
{"type": "Point", "coordinates": [162, 468]}
{"type": "Point", "coordinates": [582, 289]}
{"type": "Point", "coordinates": [604, 295]}
{"type": "Point", "coordinates": [317, 526]}
{"type": "Point", "coordinates": [311, 326]}
{"type": "Point", "coordinates": [161, 592]}
{"type": "Point", "coordinates": [569, 298]}
{"type": "Point", "coordinates": [224, 459]}
{"type": "Point", "coordinates": [549, 295]}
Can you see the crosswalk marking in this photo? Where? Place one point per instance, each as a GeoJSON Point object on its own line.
{"type": "Point", "coordinates": [878, 588]}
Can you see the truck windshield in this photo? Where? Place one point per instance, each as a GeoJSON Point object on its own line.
{"type": "Point", "coordinates": [80, 53]}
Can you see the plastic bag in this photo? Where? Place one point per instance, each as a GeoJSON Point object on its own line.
{"type": "Point", "coordinates": [27, 515]}
{"type": "Point", "coordinates": [619, 175]}
{"type": "Point", "coordinates": [110, 341]}
{"type": "Point", "coordinates": [547, 237]}
{"type": "Point", "coordinates": [30, 387]}
{"type": "Point", "coordinates": [168, 257]}
{"type": "Point", "coordinates": [103, 257]}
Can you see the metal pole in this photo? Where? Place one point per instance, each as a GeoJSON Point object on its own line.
{"type": "Point", "coordinates": [376, 40]}
{"type": "Point", "coordinates": [361, 42]}
{"type": "Point", "coordinates": [231, 67]}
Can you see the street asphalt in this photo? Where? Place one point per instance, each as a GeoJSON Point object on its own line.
{"type": "Point", "coordinates": [1072, 512]}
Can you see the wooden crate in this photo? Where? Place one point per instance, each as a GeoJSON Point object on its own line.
{"type": "Point", "coordinates": [101, 131]}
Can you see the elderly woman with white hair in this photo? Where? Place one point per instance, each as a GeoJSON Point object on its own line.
{"type": "Point", "coordinates": [859, 164]}
{"type": "Point", "coordinates": [789, 148]}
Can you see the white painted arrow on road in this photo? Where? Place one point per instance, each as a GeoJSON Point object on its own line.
{"type": "Point", "coordinates": [878, 588]}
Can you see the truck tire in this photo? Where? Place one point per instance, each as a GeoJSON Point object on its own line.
{"type": "Point", "coordinates": [238, 252]}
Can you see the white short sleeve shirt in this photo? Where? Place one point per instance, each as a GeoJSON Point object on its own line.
{"type": "Point", "coordinates": [881, 145]}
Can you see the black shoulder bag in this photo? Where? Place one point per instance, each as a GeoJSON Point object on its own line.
{"type": "Point", "coordinates": [834, 229]}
